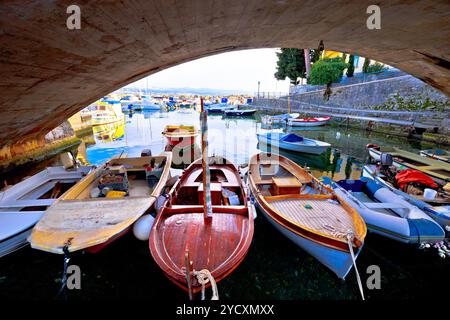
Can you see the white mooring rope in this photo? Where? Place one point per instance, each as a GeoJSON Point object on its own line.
{"type": "Point", "coordinates": [350, 247]}
{"type": "Point", "coordinates": [203, 277]}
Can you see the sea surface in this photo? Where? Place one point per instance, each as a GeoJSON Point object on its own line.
{"type": "Point", "coordinates": [274, 268]}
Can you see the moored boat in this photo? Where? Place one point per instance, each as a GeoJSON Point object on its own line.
{"type": "Point", "coordinates": [438, 154]}
{"type": "Point", "coordinates": [438, 170]}
{"type": "Point", "coordinates": [218, 108]}
{"type": "Point", "coordinates": [180, 135]}
{"type": "Point", "coordinates": [309, 122]}
{"type": "Point", "coordinates": [293, 142]}
{"type": "Point", "coordinates": [307, 212]}
{"type": "Point", "coordinates": [437, 208]}
{"type": "Point", "coordinates": [279, 118]}
{"type": "Point", "coordinates": [102, 206]}
{"type": "Point", "coordinates": [386, 213]}
{"type": "Point", "coordinates": [239, 112]}
{"type": "Point", "coordinates": [205, 228]}
{"type": "Point", "coordinates": [23, 204]}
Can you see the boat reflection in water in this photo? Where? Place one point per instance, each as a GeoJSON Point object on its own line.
{"type": "Point", "coordinates": [183, 156]}
{"type": "Point", "coordinates": [331, 163]}
{"type": "Point", "coordinates": [109, 132]}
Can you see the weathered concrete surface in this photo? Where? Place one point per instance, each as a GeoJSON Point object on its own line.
{"type": "Point", "coordinates": [50, 72]}
{"type": "Point", "coordinates": [38, 148]}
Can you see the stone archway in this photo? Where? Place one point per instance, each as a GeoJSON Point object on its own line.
{"type": "Point", "coordinates": [50, 72]}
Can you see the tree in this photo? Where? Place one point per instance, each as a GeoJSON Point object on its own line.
{"type": "Point", "coordinates": [327, 71]}
{"type": "Point", "coordinates": [344, 57]}
{"type": "Point", "coordinates": [291, 64]}
{"type": "Point", "coordinates": [351, 67]}
{"type": "Point", "coordinates": [366, 65]}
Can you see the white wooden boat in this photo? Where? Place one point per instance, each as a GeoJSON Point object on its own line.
{"type": "Point", "coordinates": [438, 154]}
{"type": "Point", "coordinates": [23, 204]}
{"type": "Point", "coordinates": [438, 170]}
{"type": "Point", "coordinates": [309, 122]}
{"type": "Point", "coordinates": [293, 142]}
{"type": "Point", "coordinates": [386, 213]}
{"type": "Point", "coordinates": [279, 118]}
{"type": "Point", "coordinates": [307, 212]}
{"type": "Point", "coordinates": [90, 216]}
{"type": "Point", "coordinates": [438, 209]}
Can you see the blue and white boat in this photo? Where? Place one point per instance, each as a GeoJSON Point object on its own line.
{"type": "Point", "coordinates": [440, 212]}
{"type": "Point", "coordinates": [387, 213]}
{"type": "Point", "coordinates": [218, 107]}
{"type": "Point", "coordinates": [293, 142]}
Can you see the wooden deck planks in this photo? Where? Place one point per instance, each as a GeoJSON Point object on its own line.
{"type": "Point", "coordinates": [325, 216]}
{"type": "Point", "coordinates": [210, 246]}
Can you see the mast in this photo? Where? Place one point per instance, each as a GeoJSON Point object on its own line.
{"type": "Point", "coordinates": [207, 206]}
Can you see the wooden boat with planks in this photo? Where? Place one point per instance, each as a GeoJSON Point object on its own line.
{"type": "Point", "coordinates": [179, 135]}
{"type": "Point", "coordinates": [102, 206]}
{"type": "Point", "coordinates": [307, 212]}
{"type": "Point", "coordinates": [438, 154]}
{"type": "Point", "coordinates": [206, 225]}
{"type": "Point", "coordinates": [438, 170]}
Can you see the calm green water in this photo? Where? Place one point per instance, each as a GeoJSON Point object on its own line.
{"type": "Point", "coordinates": [274, 268]}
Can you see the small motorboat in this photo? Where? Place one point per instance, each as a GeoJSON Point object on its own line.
{"type": "Point", "coordinates": [293, 142]}
{"type": "Point", "coordinates": [437, 207]}
{"type": "Point", "coordinates": [102, 206]}
{"type": "Point", "coordinates": [438, 154]}
{"type": "Point", "coordinates": [180, 135]}
{"type": "Point", "coordinates": [218, 108]}
{"type": "Point", "coordinates": [239, 112]}
{"type": "Point", "coordinates": [279, 118]}
{"type": "Point", "coordinates": [205, 228]}
{"type": "Point", "coordinates": [386, 213]}
{"type": "Point", "coordinates": [309, 122]}
{"type": "Point", "coordinates": [307, 212]}
{"type": "Point", "coordinates": [438, 170]}
{"type": "Point", "coordinates": [23, 204]}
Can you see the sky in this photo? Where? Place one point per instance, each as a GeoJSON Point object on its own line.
{"type": "Point", "coordinates": [237, 70]}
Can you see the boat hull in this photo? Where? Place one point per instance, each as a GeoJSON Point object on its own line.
{"type": "Point", "coordinates": [428, 166]}
{"type": "Point", "coordinates": [439, 214]}
{"type": "Point", "coordinates": [181, 233]}
{"type": "Point", "coordinates": [311, 149]}
{"type": "Point", "coordinates": [337, 261]}
{"type": "Point", "coordinates": [307, 123]}
{"type": "Point", "coordinates": [240, 113]}
{"type": "Point", "coordinates": [415, 230]}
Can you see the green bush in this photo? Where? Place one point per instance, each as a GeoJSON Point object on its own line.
{"type": "Point", "coordinates": [376, 67]}
{"type": "Point", "coordinates": [327, 71]}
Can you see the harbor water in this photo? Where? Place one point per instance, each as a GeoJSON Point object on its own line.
{"type": "Point", "coordinates": [274, 268]}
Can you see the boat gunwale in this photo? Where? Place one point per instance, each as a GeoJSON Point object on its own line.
{"type": "Point", "coordinates": [158, 249]}
{"type": "Point", "coordinates": [304, 231]}
{"type": "Point", "coordinates": [126, 223]}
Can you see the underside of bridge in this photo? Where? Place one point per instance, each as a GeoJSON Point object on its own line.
{"type": "Point", "coordinates": [50, 72]}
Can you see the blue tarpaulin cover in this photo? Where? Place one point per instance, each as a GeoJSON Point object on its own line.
{"type": "Point", "coordinates": [291, 137]}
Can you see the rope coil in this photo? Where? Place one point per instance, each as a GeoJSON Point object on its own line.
{"type": "Point", "coordinates": [203, 277]}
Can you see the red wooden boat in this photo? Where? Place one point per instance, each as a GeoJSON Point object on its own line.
{"type": "Point", "coordinates": [201, 230]}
